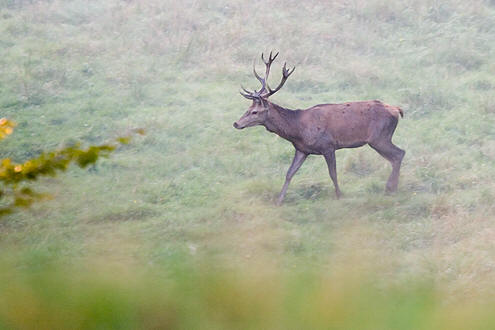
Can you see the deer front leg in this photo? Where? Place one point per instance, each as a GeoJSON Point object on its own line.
{"type": "Point", "coordinates": [299, 158]}
{"type": "Point", "coordinates": [332, 169]}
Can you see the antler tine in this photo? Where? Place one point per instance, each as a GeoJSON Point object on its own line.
{"type": "Point", "coordinates": [261, 80]}
{"type": "Point", "coordinates": [249, 95]}
{"type": "Point", "coordinates": [268, 63]}
{"type": "Point", "coordinates": [245, 90]}
{"type": "Point", "coordinates": [285, 74]}
{"type": "Point", "coordinates": [270, 58]}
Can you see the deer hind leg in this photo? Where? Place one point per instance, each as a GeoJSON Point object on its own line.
{"type": "Point", "coordinates": [394, 155]}
{"type": "Point", "coordinates": [332, 170]}
{"type": "Point", "coordinates": [298, 160]}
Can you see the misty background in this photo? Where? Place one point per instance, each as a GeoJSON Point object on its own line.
{"type": "Point", "coordinates": [195, 190]}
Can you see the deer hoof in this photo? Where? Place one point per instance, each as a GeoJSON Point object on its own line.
{"type": "Point", "coordinates": [390, 191]}
{"type": "Point", "coordinates": [279, 201]}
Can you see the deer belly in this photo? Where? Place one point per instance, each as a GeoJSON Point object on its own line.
{"type": "Point", "coordinates": [350, 145]}
{"type": "Point", "coordinates": [345, 141]}
{"type": "Point", "coordinates": [310, 149]}
{"type": "Point", "coordinates": [316, 144]}
{"type": "Point", "coordinates": [352, 136]}
{"type": "Point", "coordinates": [318, 140]}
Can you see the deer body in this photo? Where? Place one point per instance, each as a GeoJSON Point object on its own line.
{"type": "Point", "coordinates": [325, 128]}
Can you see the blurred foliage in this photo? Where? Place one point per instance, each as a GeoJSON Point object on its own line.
{"type": "Point", "coordinates": [54, 296]}
{"type": "Point", "coordinates": [6, 128]}
{"type": "Point", "coordinates": [13, 177]}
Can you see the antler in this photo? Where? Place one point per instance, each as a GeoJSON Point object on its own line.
{"type": "Point", "coordinates": [263, 92]}
{"type": "Point", "coordinates": [252, 95]}
{"type": "Point", "coordinates": [268, 64]}
{"type": "Point", "coordinates": [285, 74]}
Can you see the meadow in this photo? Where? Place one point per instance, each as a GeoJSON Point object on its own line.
{"type": "Point", "coordinates": [179, 228]}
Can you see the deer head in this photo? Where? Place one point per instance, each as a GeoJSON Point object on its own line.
{"type": "Point", "coordinates": [256, 114]}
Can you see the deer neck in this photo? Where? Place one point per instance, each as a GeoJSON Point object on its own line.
{"type": "Point", "coordinates": [282, 121]}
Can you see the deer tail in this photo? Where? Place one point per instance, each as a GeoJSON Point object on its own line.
{"type": "Point", "coordinates": [394, 111]}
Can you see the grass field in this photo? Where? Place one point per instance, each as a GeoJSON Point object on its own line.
{"type": "Point", "coordinates": [179, 228]}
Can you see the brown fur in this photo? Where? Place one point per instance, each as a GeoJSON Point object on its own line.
{"type": "Point", "coordinates": [394, 110]}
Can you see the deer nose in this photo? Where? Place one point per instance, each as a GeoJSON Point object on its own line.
{"type": "Point", "coordinates": [236, 125]}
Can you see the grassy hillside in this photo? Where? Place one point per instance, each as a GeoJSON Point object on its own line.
{"type": "Point", "coordinates": [196, 191]}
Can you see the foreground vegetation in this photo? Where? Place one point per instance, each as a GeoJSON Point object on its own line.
{"type": "Point", "coordinates": [15, 178]}
{"type": "Point", "coordinates": [186, 297]}
{"type": "Point", "coordinates": [193, 193]}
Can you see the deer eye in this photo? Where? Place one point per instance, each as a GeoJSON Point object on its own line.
{"type": "Point", "coordinates": [254, 112]}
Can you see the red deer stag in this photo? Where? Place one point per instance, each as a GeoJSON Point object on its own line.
{"type": "Point", "coordinates": [324, 128]}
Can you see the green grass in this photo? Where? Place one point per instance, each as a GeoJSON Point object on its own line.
{"type": "Point", "coordinates": [196, 191]}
